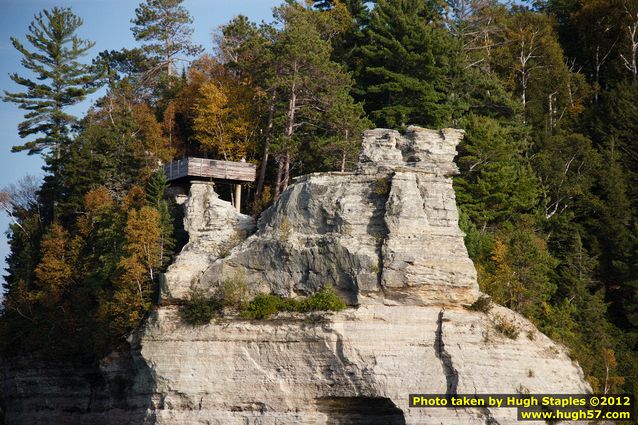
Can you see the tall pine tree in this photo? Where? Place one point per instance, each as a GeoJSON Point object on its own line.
{"type": "Point", "coordinates": [405, 64]}
{"type": "Point", "coordinates": [164, 27]}
{"type": "Point", "coordinates": [60, 81]}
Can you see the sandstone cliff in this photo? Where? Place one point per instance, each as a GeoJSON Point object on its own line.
{"type": "Point", "coordinates": [387, 237]}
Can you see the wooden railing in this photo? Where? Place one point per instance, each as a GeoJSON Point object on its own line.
{"type": "Point", "coordinates": [211, 169]}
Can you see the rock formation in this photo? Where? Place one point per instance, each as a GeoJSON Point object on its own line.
{"type": "Point", "coordinates": [386, 236]}
{"type": "Point", "coordinates": [386, 231]}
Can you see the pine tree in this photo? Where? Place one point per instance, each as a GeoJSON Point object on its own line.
{"type": "Point", "coordinates": [405, 65]}
{"type": "Point", "coordinates": [344, 122]}
{"type": "Point", "coordinates": [565, 164]}
{"type": "Point", "coordinates": [519, 274]}
{"type": "Point", "coordinates": [164, 25]}
{"type": "Point", "coordinates": [156, 196]}
{"type": "Point", "coordinates": [355, 14]}
{"type": "Point", "coordinates": [61, 81]}
{"type": "Point", "coordinates": [496, 184]}
{"type": "Point", "coordinates": [530, 60]}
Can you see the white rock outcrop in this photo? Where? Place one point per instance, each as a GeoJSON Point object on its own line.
{"type": "Point", "coordinates": [214, 227]}
{"type": "Point", "coordinates": [389, 229]}
{"type": "Point", "coordinates": [387, 237]}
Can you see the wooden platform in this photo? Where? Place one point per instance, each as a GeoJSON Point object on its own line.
{"type": "Point", "coordinates": [210, 169]}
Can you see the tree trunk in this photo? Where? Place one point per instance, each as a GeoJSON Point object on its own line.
{"type": "Point", "coordinates": [278, 180]}
{"type": "Point", "coordinates": [286, 178]}
{"type": "Point", "coordinates": [343, 153]}
{"type": "Point", "coordinates": [264, 157]}
{"type": "Point", "coordinates": [290, 129]}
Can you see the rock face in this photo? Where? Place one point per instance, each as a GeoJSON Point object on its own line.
{"type": "Point", "coordinates": [214, 227]}
{"type": "Point", "coordinates": [387, 230]}
{"type": "Point", "coordinates": [387, 237]}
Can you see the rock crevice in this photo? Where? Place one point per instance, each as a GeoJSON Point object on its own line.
{"type": "Point", "coordinates": [451, 374]}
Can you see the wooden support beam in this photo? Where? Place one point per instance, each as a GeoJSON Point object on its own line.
{"type": "Point", "coordinates": [238, 197]}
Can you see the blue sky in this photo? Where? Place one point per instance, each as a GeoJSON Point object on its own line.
{"type": "Point", "coordinates": [107, 22]}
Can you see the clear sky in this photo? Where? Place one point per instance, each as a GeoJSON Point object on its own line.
{"type": "Point", "coordinates": [107, 22]}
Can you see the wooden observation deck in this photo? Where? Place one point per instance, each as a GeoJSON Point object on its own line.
{"type": "Point", "coordinates": [235, 173]}
{"type": "Point", "coordinates": [210, 169]}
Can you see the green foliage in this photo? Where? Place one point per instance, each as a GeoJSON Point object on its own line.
{"type": "Point", "coordinates": [405, 65]}
{"type": "Point", "coordinates": [199, 309]}
{"type": "Point", "coordinates": [324, 300]}
{"type": "Point", "coordinates": [156, 196]}
{"type": "Point", "coordinates": [520, 271]}
{"type": "Point", "coordinates": [61, 80]}
{"type": "Point", "coordinates": [547, 191]}
{"type": "Point", "coordinates": [265, 305]}
{"type": "Point", "coordinates": [113, 235]}
{"type": "Point", "coordinates": [482, 304]}
{"type": "Point", "coordinates": [574, 155]}
{"type": "Point", "coordinates": [164, 25]}
{"type": "Point", "coordinates": [381, 187]}
{"type": "Point", "coordinates": [495, 183]}
{"type": "Point", "coordinates": [234, 291]}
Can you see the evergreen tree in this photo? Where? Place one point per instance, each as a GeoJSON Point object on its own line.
{"type": "Point", "coordinates": [519, 273]}
{"type": "Point", "coordinates": [530, 60]}
{"type": "Point", "coordinates": [157, 197]}
{"type": "Point", "coordinates": [119, 146]}
{"type": "Point", "coordinates": [355, 14]}
{"type": "Point", "coordinates": [405, 65]}
{"type": "Point", "coordinates": [565, 164]}
{"type": "Point", "coordinates": [496, 184]}
{"type": "Point", "coordinates": [164, 27]}
{"type": "Point", "coordinates": [60, 81]}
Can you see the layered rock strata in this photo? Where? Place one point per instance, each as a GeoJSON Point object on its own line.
{"type": "Point", "coordinates": [387, 237]}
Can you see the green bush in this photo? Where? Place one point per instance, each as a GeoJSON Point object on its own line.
{"type": "Point", "coordinates": [482, 304]}
{"type": "Point", "coordinates": [262, 306]}
{"type": "Point", "coordinates": [381, 186]}
{"type": "Point", "coordinates": [234, 291]}
{"type": "Point", "coordinates": [324, 300]}
{"type": "Point", "coordinates": [199, 309]}
{"type": "Point", "coordinates": [265, 305]}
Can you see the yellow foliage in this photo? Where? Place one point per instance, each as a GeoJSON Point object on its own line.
{"type": "Point", "coordinates": [500, 282]}
{"type": "Point", "coordinates": [135, 198]}
{"type": "Point", "coordinates": [153, 147]}
{"type": "Point", "coordinates": [225, 122]}
{"type": "Point", "coordinates": [55, 270]}
{"type": "Point", "coordinates": [612, 382]}
{"type": "Point", "coordinates": [97, 199]}
{"type": "Point", "coordinates": [134, 286]}
{"type": "Point", "coordinates": [213, 103]}
{"type": "Point", "coordinates": [143, 239]}
{"type": "Point", "coordinates": [97, 202]}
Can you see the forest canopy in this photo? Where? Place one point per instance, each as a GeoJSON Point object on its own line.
{"type": "Point", "coordinates": [548, 191]}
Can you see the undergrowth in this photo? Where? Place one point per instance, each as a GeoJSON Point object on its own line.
{"type": "Point", "coordinates": [200, 309]}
